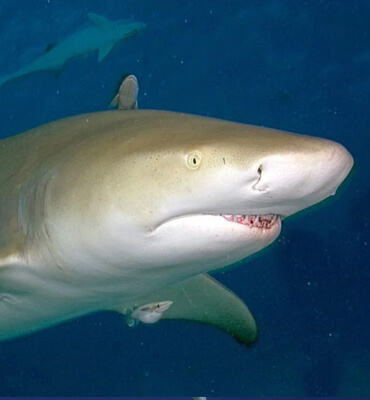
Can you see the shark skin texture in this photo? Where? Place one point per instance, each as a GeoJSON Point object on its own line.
{"type": "Point", "coordinates": [101, 36]}
{"type": "Point", "coordinates": [129, 210]}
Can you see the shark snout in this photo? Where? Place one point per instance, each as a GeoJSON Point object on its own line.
{"type": "Point", "coordinates": [340, 165]}
{"type": "Point", "coordinates": [323, 170]}
{"type": "Point", "coordinates": [288, 182]}
{"type": "Point", "coordinates": [136, 28]}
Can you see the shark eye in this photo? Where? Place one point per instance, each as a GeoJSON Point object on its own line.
{"type": "Point", "coordinates": [193, 160]}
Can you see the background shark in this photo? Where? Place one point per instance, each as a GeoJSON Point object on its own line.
{"type": "Point", "coordinates": [102, 37]}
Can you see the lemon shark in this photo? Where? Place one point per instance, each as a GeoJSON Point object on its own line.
{"type": "Point", "coordinates": [129, 210]}
{"type": "Point", "coordinates": [101, 36]}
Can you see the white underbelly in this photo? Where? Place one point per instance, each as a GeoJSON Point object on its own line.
{"type": "Point", "coordinates": [29, 302]}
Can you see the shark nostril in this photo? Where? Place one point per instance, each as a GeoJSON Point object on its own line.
{"type": "Point", "coordinates": [258, 186]}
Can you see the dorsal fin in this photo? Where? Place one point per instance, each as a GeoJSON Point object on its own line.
{"type": "Point", "coordinates": [99, 21]}
{"type": "Point", "coordinates": [126, 98]}
{"type": "Point", "coordinates": [104, 51]}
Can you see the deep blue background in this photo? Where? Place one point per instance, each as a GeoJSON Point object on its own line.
{"type": "Point", "coordinates": [302, 66]}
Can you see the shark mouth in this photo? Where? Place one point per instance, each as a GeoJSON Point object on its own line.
{"type": "Point", "coordinates": [253, 221]}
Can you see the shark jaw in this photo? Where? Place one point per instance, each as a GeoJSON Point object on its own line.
{"type": "Point", "coordinates": [254, 221]}
{"type": "Point", "coordinates": [210, 241]}
{"type": "Point", "coordinates": [261, 222]}
{"type": "Point", "coordinates": [243, 233]}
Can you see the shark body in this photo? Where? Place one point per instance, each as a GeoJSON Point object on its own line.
{"type": "Point", "coordinates": [102, 36]}
{"type": "Point", "coordinates": [129, 210]}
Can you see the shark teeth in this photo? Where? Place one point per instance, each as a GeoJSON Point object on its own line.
{"type": "Point", "coordinates": [253, 221]}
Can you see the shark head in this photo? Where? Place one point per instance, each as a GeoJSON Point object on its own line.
{"type": "Point", "coordinates": [127, 29]}
{"type": "Point", "coordinates": [159, 191]}
{"type": "Point", "coordinates": [116, 30]}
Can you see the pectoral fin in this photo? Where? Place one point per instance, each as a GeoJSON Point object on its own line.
{"type": "Point", "coordinates": [104, 51]}
{"type": "Point", "coordinates": [203, 299]}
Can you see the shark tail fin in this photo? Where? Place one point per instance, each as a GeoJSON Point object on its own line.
{"type": "Point", "coordinates": [4, 79]}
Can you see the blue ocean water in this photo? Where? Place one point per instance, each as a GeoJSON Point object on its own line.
{"type": "Point", "coordinates": [302, 66]}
